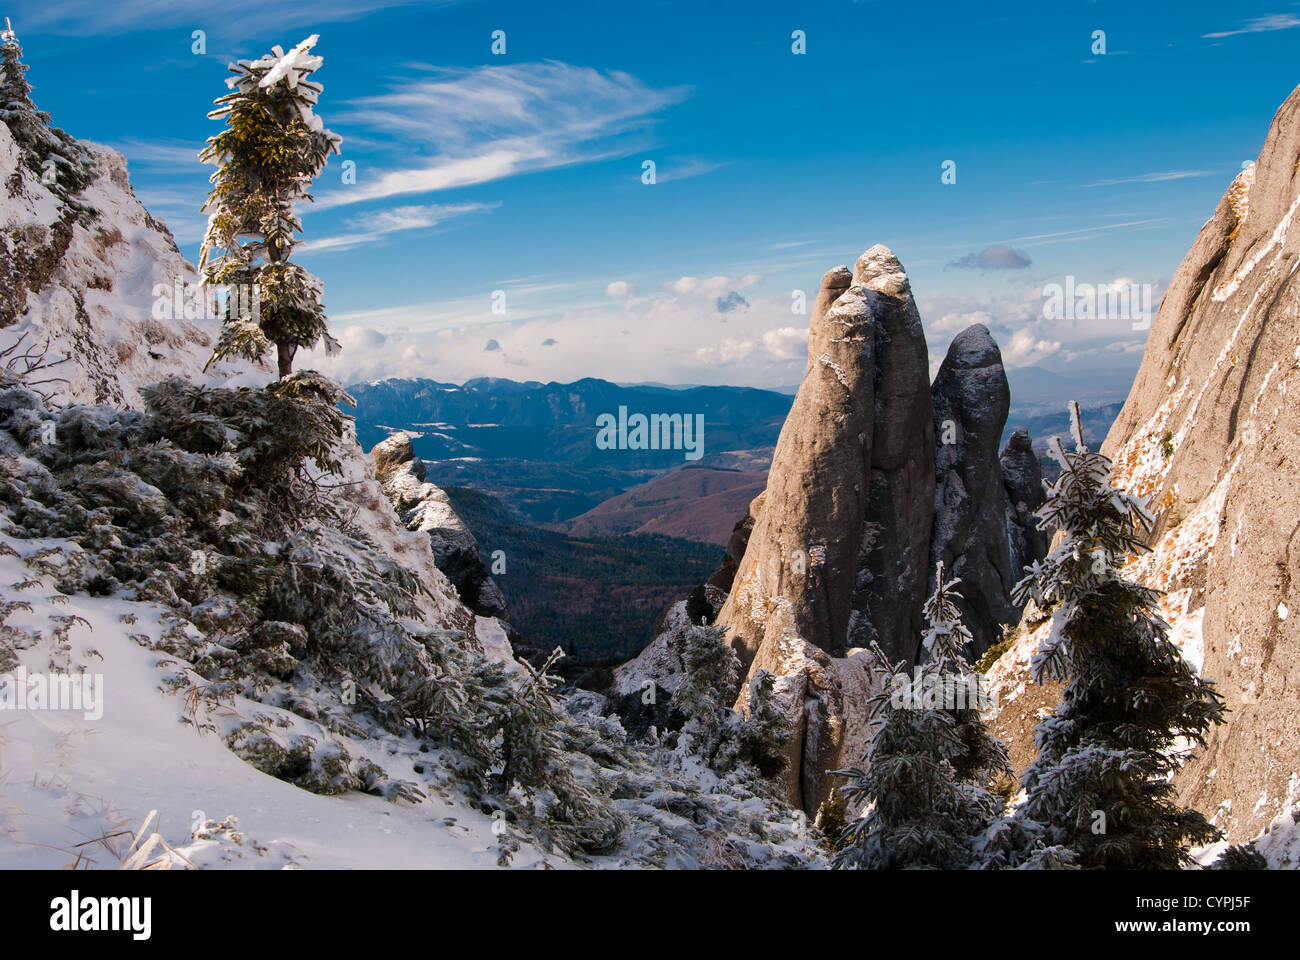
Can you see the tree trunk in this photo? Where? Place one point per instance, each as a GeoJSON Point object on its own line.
{"type": "Point", "coordinates": [284, 356]}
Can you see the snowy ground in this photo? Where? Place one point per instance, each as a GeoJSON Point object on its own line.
{"type": "Point", "coordinates": [73, 790]}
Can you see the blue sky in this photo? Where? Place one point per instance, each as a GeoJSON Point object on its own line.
{"type": "Point", "coordinates": [522, 172]}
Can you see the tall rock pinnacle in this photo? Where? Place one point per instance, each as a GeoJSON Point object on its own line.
{"type": "Point", "coordinates": [838, 551]}
{"type": "Point", "coordinates": [894, 557]}
{"type": "Point", "coordinates": [798, 553]}
{"type": "Point", "coordinates": [842, 537]}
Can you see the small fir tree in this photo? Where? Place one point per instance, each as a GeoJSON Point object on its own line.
{"type": "Point", "coordinates": [712, 678]}
{"type": "Point", "coordinates": [63, 165]}
{"type": "Point", "coordinates": [748, 749]}
{"type": "Point", "coordinates": [1101, 783]}
{"type": "Point", "coordinates": [271, 150]}
{"type": "Point", "coordinates": [924, 780]}
{"type": "Point", "coordinates": [564, 811]}
{"type": "Point", "coordinates": [767, 730]}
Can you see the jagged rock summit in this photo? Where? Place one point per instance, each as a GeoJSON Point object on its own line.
{"type": "Point", "coordinates": [984, 531]}
{"type": "Point", "coordinates": [850, 493]}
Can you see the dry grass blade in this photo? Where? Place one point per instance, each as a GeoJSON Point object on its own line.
{"type": "Point", "coordinates": [137, 855]}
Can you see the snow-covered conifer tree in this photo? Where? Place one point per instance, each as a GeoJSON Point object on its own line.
{"type": "Point", "coordinates": [566, 811]}
{"type": "Point", "coordinates": [271, 150]}
{"type": "Point", "coordinates": [62, 164]}
{"type": "Point", "coordinates": [706, 694]}
{"type": "Point", "coordinates": [960, 687]}
{"type": "Point", "coordinates": [766, 730]}
{"type": "Point", "coordinates": [1131, 704]}
{"type": "Point", "coordinates": [923, 781]}
{"type": "Point", "coordinates": [749, 747]}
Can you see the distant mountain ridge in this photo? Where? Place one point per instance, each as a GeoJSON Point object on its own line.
{"type": "Point", "coordinates": [493, 418]}
{"type": "Point", "coordinates": [533, 445]}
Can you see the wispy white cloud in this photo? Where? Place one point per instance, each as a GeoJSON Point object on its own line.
{"type": "Point", "coordinates": [374, 226]}
{"type": "Point", "coordinates": [672, 170]}
{"type": "Point", "coordinates": [1158, 177]}
{"type": "Point", "coordinates": [481, 124]}
{"type": "Point", "coordinates": [1065, 236]}
{"type": "Point", "coordinates": [1276, 21]}
{"type": "Point", "coordinates": [179, 156]}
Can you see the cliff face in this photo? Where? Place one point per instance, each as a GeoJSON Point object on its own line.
{"type": "Point", "coordinates": [1211, 434]}
{"type": "Point", "coordinates": [1211, 431]}
{"type": "Point", "coordinates": [425, 508]}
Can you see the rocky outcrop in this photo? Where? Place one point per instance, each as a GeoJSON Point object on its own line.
{"type": "Point", "coordinates": [825, 701]}
{"type": "Point", "coordinates": [1022, 477]}
{"type": "Point", "coordinates": [842, 534]}
{"type": "Point", "coordinates": [1209, 434]}
{"type": "Point", "coordinates": [425, 508]}
{"type": "Point", "coordinates": [837, 552]}
{"type": "Point", "coordinates": [971, 534]}
{"type": "Point", "coordinates": [660, 663]}
{"type": "Point", "coordinates": [803, 551]}
{"type": "Point", "coordinates": [893, 558]}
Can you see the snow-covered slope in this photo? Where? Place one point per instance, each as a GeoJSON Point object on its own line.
{"type": "Point", "coordinates": [93, 298]}
{"type": "Point", "coordinates": [73, 789]}
{"type": "Point", "coordinates": [103, 291]}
